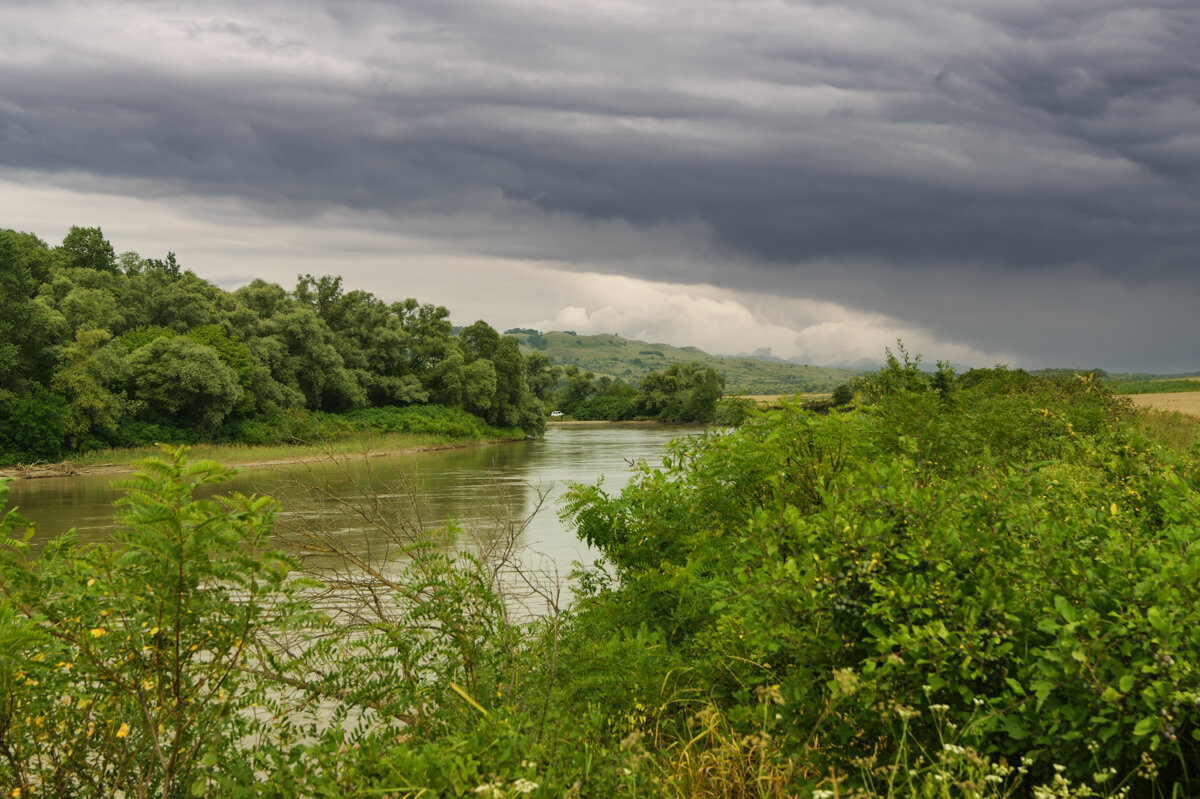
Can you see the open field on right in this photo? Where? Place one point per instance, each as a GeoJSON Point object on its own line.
{"type": "Point", "coordinates": [1183, 401]}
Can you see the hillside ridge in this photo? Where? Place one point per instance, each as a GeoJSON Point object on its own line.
{"type": "Point", "coordinates": [630, 360]}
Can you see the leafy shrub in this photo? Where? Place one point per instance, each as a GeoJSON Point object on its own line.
{"type": "Point", "coordinates": [610, 408]}
{"type": "Point", "coordinates": [1006, 549]}
{"type": "Point", "coordinates": [843, 395]}
{"type": "Point", "coordinates": [138, 337]}
{"type": "Point", "coordinates": [732, 411]}
{"type": "Point", "coordinates": [128, 668]}
{"type": "Point", "coordinates": [134, 432]}
{"type": "Point", "coordinates": [995, 574]}
{"type": "Point", "coordinates": [34, 425]}
{"type": "Point", "coordinates": [434, 420]}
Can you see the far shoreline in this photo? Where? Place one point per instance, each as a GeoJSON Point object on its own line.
{"type": "Point", "coordinates": [241, 457]}
{"type": "Point", "coordinates": [303, 454]}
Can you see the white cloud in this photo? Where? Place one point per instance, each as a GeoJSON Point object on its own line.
{"type": "Point", "coordinates": [726, 322]}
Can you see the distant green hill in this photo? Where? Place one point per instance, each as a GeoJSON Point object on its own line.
{"type": "Point", "coordinates": [630, 361]}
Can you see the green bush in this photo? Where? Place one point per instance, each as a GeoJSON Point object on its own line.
{"type": "Point", "coordinates": [34, 426]}
{"type": "Point", "coordinates": [434, 420]}
{"type": "Point", "coordinates": [1009, 551]}
{"type": "Point", "coordinates": [133, 432]}
{"type": "Point", "coordinates": [606, 408]}
{"type": "Point", "coordinates": [733, 411]}
{"type": "Point", "coordinates": [130, 668]}
{"type": "Point", "coordinates": [991, 581]}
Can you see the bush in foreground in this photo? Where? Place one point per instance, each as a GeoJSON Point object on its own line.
{"type": "Point", "coordinates": [983, 586]}
{"type": "Point", "coordinates": [1002, 566]}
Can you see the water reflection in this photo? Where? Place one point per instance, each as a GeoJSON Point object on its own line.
{"type": "Point", "coordinates": [357, 502]}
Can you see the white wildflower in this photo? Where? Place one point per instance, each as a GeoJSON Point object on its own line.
{"type": "Point", "coordinates": [524, 786]}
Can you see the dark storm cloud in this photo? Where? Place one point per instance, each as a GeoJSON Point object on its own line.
{"type": "Point", "coordinates": [1031, 139]}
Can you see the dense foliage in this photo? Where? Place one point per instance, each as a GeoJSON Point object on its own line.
{"type": "Point", "coordinates": [127, 669]}
{"type": "Point", "coordinates": [683, 392]}
{"type": "Point", "coordinates": [995, 561]}
{"type": "Point", "coordinates": [98, 350]}
{"type": "Point", "coordinates": [975, 585]}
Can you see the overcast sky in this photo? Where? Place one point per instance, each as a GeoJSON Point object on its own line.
{"type": "Point", "coordinates": [994, 182]}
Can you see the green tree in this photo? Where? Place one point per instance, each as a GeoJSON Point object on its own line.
{"type": "Point", "coordinates": [184, 383]}
{"type": "Point", "coordinates": [430, 331]}
{"type": "Point", "coordinates": [576, 388]}
{"type": "Point", "coordinates": [511, 387]}
{"type": "Point", "coordinates": [86, 248]}
{"type": "Point", "coordinates": [479, 387]}
{"type": "Point", "coordinates": [16, 293]}
{"type": "Point", "coordinates": [92, 374]}
{"type": "Point", "coordinates": [324, 296]}
{"type": "Point", "coordinates": [97, 308]}
{"type": "Point", "coordinates": [264, 300]}
{"type": "Point", "coordinates": [541, 375]}
{"type": "Point", "coordinates": [35, 424]}
{"type": "Point", "coordinates": [684, 392]}
{"type": "Point", "coordinates": [234, 354]}
{"type": "Point", "coordinates": [311, 363]}
{"type": "Point", "coordinates": [30, 329]}
{"type": "Point", "coordinates": [479, 340]}
{"type": "Point", "coordinates": [616, 401]}
{"type": "Point", "coordinates": [157, 298]}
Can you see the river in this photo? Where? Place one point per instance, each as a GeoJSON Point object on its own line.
{"type": "Point", "coordinates": [364, 503]}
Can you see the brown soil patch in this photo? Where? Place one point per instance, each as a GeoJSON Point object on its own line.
{"type": "Point", "coordinates": [1182, 401]}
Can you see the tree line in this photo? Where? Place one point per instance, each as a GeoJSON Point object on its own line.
{"type": "Point", "coordinates": [104, 350]}
{"type": "Point", "coordinates": [100, 350]}
{"type": "Point", "coordinates": [683, 392]}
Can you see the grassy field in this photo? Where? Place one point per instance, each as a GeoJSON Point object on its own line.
{"type": "Point", "coordinates": [1181, 401]}
{"type": "Point", "coordinates": [1163, 386]}
{"type": "Point", "coordinates": [630, 361]}
{"type": "Point", "coordinates": [1175, 429]}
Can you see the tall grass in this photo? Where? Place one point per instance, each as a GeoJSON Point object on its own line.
{"type": "Point", "coordinates": [1178, 431]}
